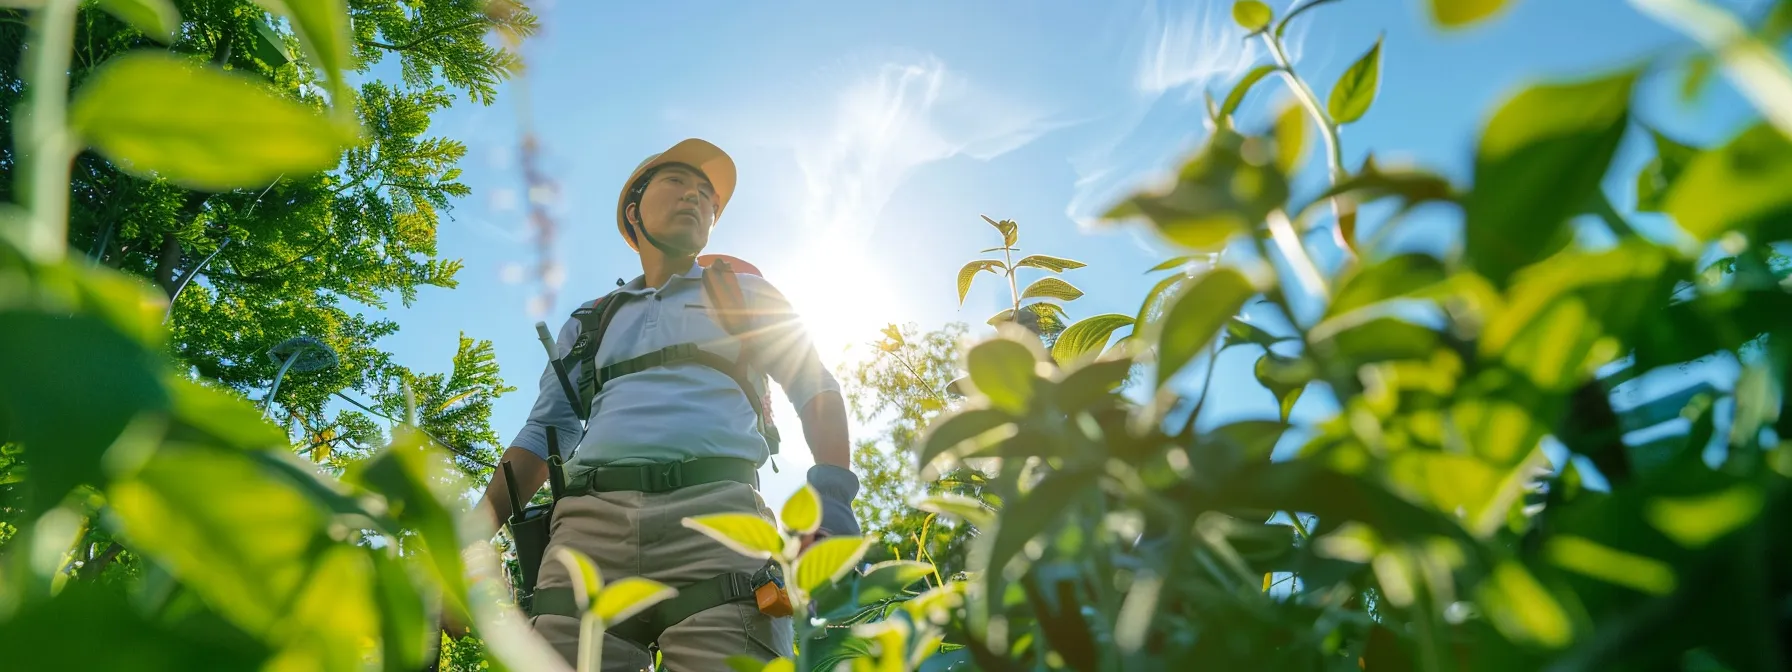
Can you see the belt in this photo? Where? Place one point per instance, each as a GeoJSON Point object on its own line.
{"type": "Point", "coordinates": [665, 477]}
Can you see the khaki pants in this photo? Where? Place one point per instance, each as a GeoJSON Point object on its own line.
{"type": "Point", "coordinates": [640, 534]}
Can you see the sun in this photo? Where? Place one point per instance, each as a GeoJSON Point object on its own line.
{"type": "Point", "coordinates": [843, 305]}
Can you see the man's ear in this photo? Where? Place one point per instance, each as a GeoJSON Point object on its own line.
{"type": "Point", "coordinates": [632, 213]}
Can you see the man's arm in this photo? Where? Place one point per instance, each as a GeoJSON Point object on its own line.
{"type": "Point", "coordinates": [530, 471]}
{"type": "Point", "coordinates": [824, 427]}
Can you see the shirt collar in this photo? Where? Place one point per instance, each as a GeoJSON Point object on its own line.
{"type": "Point", "coordinates": [639, 284]}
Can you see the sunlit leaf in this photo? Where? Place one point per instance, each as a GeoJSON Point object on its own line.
{"type": "Point", "coordinates": [887, 579]}
{"type": "Point", "coordinates": [1356, 88]}
{"type": "Point", "coordinates": [1010, 230]}
{"type": "Point", "coordinates": [827, 560]}
{"type": "Point", "coordinates": [626, 597]}
{"type": "Point", "coordinates": [1196, 315]}
{"type": "Point", "coordinates": [1002, 370]}
{"type": "Point", "coordinates": [1236, 96]}
{"type": "Point", "coordinates": [1220, 192]}
{"type": "Point", "coordinates": [1239, 331]}
{"type": "Point", "coordinates": [1282, 377]}
{"type": "Point", "coordinates": [1523, 609]}
{"type": "Point", "coordinates": [423, 490]}
{"type": "Point", "coordinates": [1037, 509]}
{"type": "Point", "coordinates": [802, 512]}
{"type": "Point", "coordinates": [1412, 186]}
{"type": "Point", "coordinates": [1460, 13]}
{"type": "Point", "coordinates": [1090, 383]}
{"type": "Point", "coordinates": [1656, 178]}
{"type": "Point", "coordinates": [1051, 288]}
{"type": "Point", "coordinates": [1540, 159]}
{"type": "Point", "coordinates": [156, 114]}
{"type": "Point", "coordinates": [969, 272]}
{"type": "Point", "coordinates": [1087, 335]}
{"type": "Point", "coordinates": [324, 31]}
{"type": "Point", "coordinates": [1155, 301]}
{"type": "Point", "coordinates": [745, 663]}
{"type": "Point", "coordinates": [220, 415]}
{"type": "Point", "coordinates": [1291, 138]}
{"type": "Point", "coordinates": [1733, 186]}
{"type": "Point", "coordinates": [39, 637]}
{"type": "Point", "coordinates": [1596, 560]}
{"type": "Point", "coordinates": [1252, 15]}
{"type": "Point", "coordinates": [744, 533]}
{"type": "Point", "coordinates": [1390, 278]}
{"type": "Point", "coordinates": [1696, 521]}
{"type": "Point", "coordinates": [400, 611]}
{"type": "Point", "coordinates": [976, 424]}
{"type": "Point", "coordinates": [155, 18]}
{"type": "Point", "coordinates": [967, 509]}
{"type": "Point", "coordinates": [1173, 262]}
{"type": "Point", "coordinates": [1050, 263]}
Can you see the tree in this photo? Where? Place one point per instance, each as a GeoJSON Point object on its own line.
{"type": "Point", "coordinates": [252, 267]}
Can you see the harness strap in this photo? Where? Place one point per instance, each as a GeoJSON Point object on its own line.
{"type": "Point", "coordinates": [661, 478]}
{"type": "Point", "coordinates": [645, 628]}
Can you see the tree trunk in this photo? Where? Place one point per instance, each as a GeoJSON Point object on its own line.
{"type": "Point", "coordinates": [167, 262]}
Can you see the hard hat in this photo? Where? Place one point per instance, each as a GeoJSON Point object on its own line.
{"type": "Point", "coordinates": [699, 154]}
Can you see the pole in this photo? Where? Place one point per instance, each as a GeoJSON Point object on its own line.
{"type": "Point", "coordinates": [547, 343]}
{"type": "Point", "coordinates": [267, 404]}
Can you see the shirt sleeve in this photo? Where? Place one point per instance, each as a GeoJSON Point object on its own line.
{"type": "Point", "coordinates": [552, 408]}
{"type": "Point", "coordinates": [782, 346]}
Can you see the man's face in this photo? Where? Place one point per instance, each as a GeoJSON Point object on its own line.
{"type": "Point", "coordinates": [678, 208]}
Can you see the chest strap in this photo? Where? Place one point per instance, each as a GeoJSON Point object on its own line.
{"type": "Point", "coordinates": [661, 478]}
{"type": "Point", "coordinates": [689, 353]}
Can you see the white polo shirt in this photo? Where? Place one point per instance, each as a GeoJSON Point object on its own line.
{"type": "Point", "coordinates": [683, 411]}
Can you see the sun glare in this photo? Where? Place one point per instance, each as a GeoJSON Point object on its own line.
{"type": "Point", "coordinates": [843, 305]}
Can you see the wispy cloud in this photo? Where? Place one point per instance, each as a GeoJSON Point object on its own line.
{"type": "Point", "coordinates": [1190, 45]}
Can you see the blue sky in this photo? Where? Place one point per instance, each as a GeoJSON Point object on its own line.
{"type": "Point", "coordinates": [870, 137]}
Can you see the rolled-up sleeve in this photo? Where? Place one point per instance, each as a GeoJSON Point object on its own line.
{"type": "Point", "coordinates": [782, 345]}
{"type": "Point", "coordinates": [552, 408]}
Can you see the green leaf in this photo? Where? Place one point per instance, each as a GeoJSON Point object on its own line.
{"type": "Point", "coordinates": [1291, 138]}
{"type": "Point", "coordinates": [745, 663]}
{"type": "Point", "coordinates": [970, 271]}
{"type": "Point", "coordinates": [1050, 263]}
{"type": "Point", "coordinates": [629, 596]}
{"type": "Point", "coordinates": [38, 637]}
{"type": "Point", "coordinates": [1460, 13]}
{"type": "Point", "coordinates": [1664, 407]}
{"type": "Point", "coordinates": [1391, 278]}
{"type": "Point", "coordinates": [1236, 96]}
{"type": "Point", "coordinates": [1356, 88]}
{"type": "Point", "coordinates": [1087, 335]}
{"type": "Point", "coordinates": [221, 416]}
{"type": "Point", "coordinates": [587, 580]}
{"type": "Point", "coordinates": [1523, 609]}
{"type": "Point", "coordinates": [1590, 558]}
{"type": "Point", "coordinates": [1051, 288]}
{"type": "Point", "coordinates": [268, 46]}
{"type": "Point", "coordinates": [157, 115]}
{"type": "Point", "coordinates": [1156, 300]}
{"type": "Point", "coordinates": [827, 560]}
{"type": "Point", "coordinates": [324, 31]}
{"type": "Point", "coordinates": [423, 490]}
{"type": "Point", "coordinates": [72, 385]}
{"type": "Point", "coordinates": [1378, 340]}
{"type": "Point", "coordinates": [780, 665]}
{"type": "Point", "coordinates": [1412, 186]}
{"type": "Point", "coordinates": [1252, 15]}
{"type": "Point", "coordinates": [1010, 230]}
{"type": "Point", "coordinates": [155, 18]}
{"type": "Point", "coordinates": [1734, 186]}
{"type": "Point", "coordinates": [400, 608]}
{"type": "Point", "coordinates": [1092, 383]}
{"type": "Point", "coordinates": [1695, 521]}
{"type": "Point", "coordinates": [887, 579]}
{"type": "Point", "coordinates": [982, 425]}
{"type": "Point", "coordinates": [1002, 370]}
{"type": "Point", "coordinates": [802, 512]}
{"type": "Point", "coordinates": [1655, 179]}
{"type": "Point", "coordinates": [1284, 377]}
{"type": "Point", "coordinates": [1541, 158]}
{"type": "Point", "coordinates": [744, 533]}
{"type": "Point", "coordinates": [1173, 262]}
{"type": "Point", "coordinates": [1035, 511]}
{"type": "Point", "coordinates": [1239, 331]}
{"type": "Point", "coordinates": [1218, 193]}
{"type": "Point", "coordinates": [1196, 315]}
{"type": "Point", "coordinates": [967, 509]}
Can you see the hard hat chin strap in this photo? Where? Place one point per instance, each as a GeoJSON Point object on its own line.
{"type": "Point", "coordinates": [668, 250]}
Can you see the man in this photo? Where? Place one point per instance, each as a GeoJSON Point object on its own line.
{"type": "Point", "coordinates": [621, 507]}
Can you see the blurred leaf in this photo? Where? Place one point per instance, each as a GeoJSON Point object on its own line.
{"type": "Point", "coordinates": [1378, 340]}
{"type": "Point", "coordinates": [223, 526]}
{"type": "Point", "coordinates": [401, 613]}
{"type": "Point", "coordinates": [1523, 609]}
{"type": "Point", "coordinates": [1733, 186]}
{"type": "Point", "coordinates": [1596, 560]}
{"type": "Point", "coordinates": [1218, 193]}
{"type": "Point", "coordinates": [1236, 96]}
{"type": "Point", "coordinates": [1050, 263]}
{"type": "Point", "coordinates": [1089, 384]}
{"type": "Point", "coordinates": [1036, 510]}
{"type": "Point", "coordinates": [333, 615]}
{"type": "Point", "coordinates": [1356, 88]}
{"type": "Point", "coordinates": [1696, 521]}
{"type": "Point", "coordinates": [155, 18]}
{"type": "Point", "coordinates": [802, 512]}
{"type": "Point", "coordinates": [1291, 138]}
{"type": "Point", "coordinates": [886, 580]}
{"type": "Point", "coordinates": [1002, 370]}
{"type": "Point", "coordinates": [422, 490]}
{"type": "Point", "coordinates": [1252, 15]}
{"type": "Point", "coordinates": [1540, 159]}
{"type": "Point", "coordinates": [969, 272]}
{"type": "Point", "coordinates": [268, 46]}
{"type": "Point", "coordinates": [1196, 315]}
{"type": "Point", "coordinates": [587, 579]}
{"type": "Point", "coordinates": [744, 533]}
{"type": "Point", "coordinates": [1413, 186]}
{"type": "Point", "coordinates": [1390, 278]}
{"type": "Point", "coordinates": [1460, 13]}
{"type": "Point", "coordinates": [1560, 309]}
{"type": "Point", "coordinates": [628, 596]}
{"type": "Point", "coordinates": [220, 415]}
{"type": "Point", "coordinates": [1052, 288]}
{"type": "Point", "coordinates": [1087, 335]}
{"type": "Point", "coordinates": [71, 387]}
{"type": "Point", "coordinates": [1173, 262]}
{"type": "Point", "coordinates": [827, 560]}
{"type": "Point", "coordinates": [1655, 179]}
{"type": "Point", "coordinates": [324, 30]}
{"type": "Point", "coordinates": [94, 627]}
{"type": "Point", "coordinates": [1281, 376]}
{"type": "Point", "coordinates": [1663, 408]}
{"type": "Point", "coordinates": [204, 128]}
{"type": "Point", "coordinates": [1239, 331]}
{"type": "Point", "coordinates": [967, 509]}
{"type": "Point", "coordinates": [1010, 230]}
{"type": "Point", "coordinates": [745, 663]}
{"type": "Point", "coordinates": [1155, 300]}
{"type": "Point", "coordinates": [947, 433]}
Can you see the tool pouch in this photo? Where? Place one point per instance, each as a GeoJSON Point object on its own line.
{"type": "Point", "coordinates": [771, 596]}
{"type": "Point", "coordinates": [530, 532]}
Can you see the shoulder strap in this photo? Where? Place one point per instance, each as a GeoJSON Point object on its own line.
{"type": "Point", "coordinates": [594, 320]}
{"type": "Point", "coordinates": [728, 303]}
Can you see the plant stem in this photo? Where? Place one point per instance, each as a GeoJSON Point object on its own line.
{"type": "Point", "coordinates": [1342, 209]}
{"type": "Point", "coordinates": [1753, 66]}
{"type": "Point", "coordinates": [47, 144]}
{"type": "Point", "coordinates": [1288, 243]}
{"type": "Point", "coordinates": [1013, 287]}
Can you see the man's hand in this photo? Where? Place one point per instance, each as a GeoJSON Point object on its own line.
{"type": "Point", "coordinates": [837, 487]}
